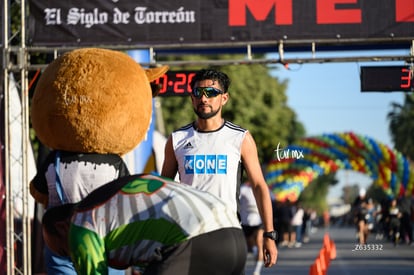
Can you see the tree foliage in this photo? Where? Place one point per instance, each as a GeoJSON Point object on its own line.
{"type": "Point", "coordinates": [350, 192]}
{"type": "Point", "coordinates": [315, 194]}
{"type": "Point", "coordinates": [258, 102]}
{"type": "Point", "coordinates": [401, 119]}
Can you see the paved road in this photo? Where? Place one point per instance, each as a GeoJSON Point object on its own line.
{"type": "Point", "coordinates": [297, 261]}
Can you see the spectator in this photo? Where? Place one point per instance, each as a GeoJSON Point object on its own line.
{"type": "Point", "coordinates": [286, 214]}
{"type": "Point", "coordinates": [306, 225]}
{"type": "Point", "coordinates": [406, 226]}
{"type": "Point", "coordinates": [394, 220]}
{"type": "Point", "coordinates": [297, 222]}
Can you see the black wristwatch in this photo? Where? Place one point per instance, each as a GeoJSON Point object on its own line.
{"type": "Point", "coordinates": [271, 235]}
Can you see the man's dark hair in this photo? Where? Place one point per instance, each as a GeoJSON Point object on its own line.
{"type": "Point", "coordinates": [214, 75]}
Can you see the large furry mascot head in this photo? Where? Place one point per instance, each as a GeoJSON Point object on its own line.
{"type": "Point", "coordinates": [90, 106]}
{"type": "Point", "coordinates": [93, 100]}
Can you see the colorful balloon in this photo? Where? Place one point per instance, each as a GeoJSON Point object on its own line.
{"type": "Point", "coordinates": [297, 165]}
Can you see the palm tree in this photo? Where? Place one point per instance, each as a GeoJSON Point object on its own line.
{"type": "Point", "coordinates": [401, 126]}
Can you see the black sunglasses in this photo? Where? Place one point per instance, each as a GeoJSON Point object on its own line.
{"type": "Point", "coordinates": [207, 91]}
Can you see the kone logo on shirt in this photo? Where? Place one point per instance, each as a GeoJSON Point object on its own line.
{"type": "Point", "coordinates": [205, 164]}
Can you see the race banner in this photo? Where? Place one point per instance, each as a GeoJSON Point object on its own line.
{"type": "Point", "coordinates": [155, 22]}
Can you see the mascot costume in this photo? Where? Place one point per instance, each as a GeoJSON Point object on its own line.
{"type": "Point", "coordinates": [90, 107]}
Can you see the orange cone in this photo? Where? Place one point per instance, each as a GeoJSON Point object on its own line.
{"type": "Point", "coordinates": [313, 270]}
{"type": "Point", "coordinates": [333, 250]}
{"type": "Point", "coordinates": [322, 260]}
{"type": "Point", "coordinates": [327, 255]}
{"type": "Point", "coordinates": [316, 268]}
{"type": "Point", "coordinates": [327, 242]}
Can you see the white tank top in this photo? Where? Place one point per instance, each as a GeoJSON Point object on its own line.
{"type": "Point", "coordinates": [211, 161]}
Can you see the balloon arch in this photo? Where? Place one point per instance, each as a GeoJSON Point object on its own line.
{"type": "Point", "coordinates": [296, 165]}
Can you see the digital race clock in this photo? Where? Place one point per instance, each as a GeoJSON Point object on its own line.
{"type": "Point", "coordinates": [386, 78]}
{"type": "Point", "coordinates": [175, 83]}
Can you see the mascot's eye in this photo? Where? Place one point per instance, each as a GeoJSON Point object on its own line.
{"type": "Point", "coordinates": [155, 88]}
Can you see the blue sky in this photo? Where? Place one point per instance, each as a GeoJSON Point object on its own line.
{"type": "Point", "coordinates": [327, 98]}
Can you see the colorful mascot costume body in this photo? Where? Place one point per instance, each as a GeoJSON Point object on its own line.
{"type": "Point", "coordinates": [90, 107]}
{"type": "Point", "coordinates": [146, 220]}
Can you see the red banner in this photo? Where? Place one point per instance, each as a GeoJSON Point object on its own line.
{"type": "Point", "coordinates": [127, 22]}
